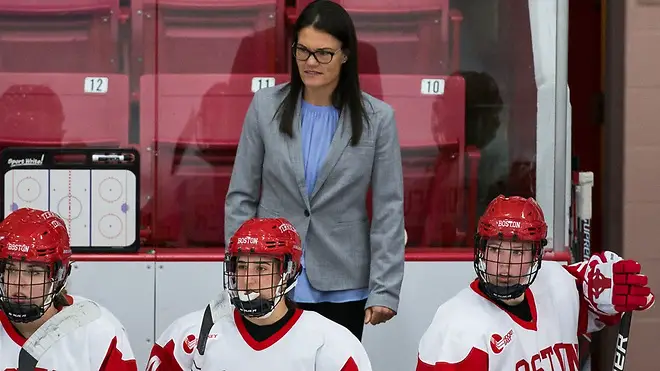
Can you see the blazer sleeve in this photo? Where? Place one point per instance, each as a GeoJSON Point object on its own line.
{"type": "Point", "coordinates": [387, 224]}
{"type": "Point", "coordinates": [245, 185]}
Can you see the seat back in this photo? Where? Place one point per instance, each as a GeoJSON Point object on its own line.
{"type": "Point", "coordinates": [219, 36]}
{"type": "Point", "coordinates": [59, 36]}
{"type": "Point", "coordinates": [194, 123]}
{"type": "Point", "coordinates": [431, 133]}
{"type": "Point", "coordinates": [52, 109]}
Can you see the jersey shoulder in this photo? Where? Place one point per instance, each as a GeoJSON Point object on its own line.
{"type": "Point", "coordinates": [173, 350]}
{"type": "Point", "coordinates": [464, 311]}
{"type": "Point", "coordinates": [553, 275]}
{"type": "Point", "coordinates": [105, 336]}
{"type": "Point", "coordinates": [339, 348]}
{"type": "Point", "coordinates": [105, 323]}
{"type": "Point", "coordinates": [457, 329]}
{"type": "Point", "coordinates": [183, 327]}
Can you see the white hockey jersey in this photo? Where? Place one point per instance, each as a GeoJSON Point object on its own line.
{"type": "Point", "coordinates": [470, 333]}
{"type": "Point", "coordinates": [98, 345]}
{"type": "Point", "coordinates": [307, 342]}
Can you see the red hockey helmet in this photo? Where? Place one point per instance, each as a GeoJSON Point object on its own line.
{"type": "Point", "coordinates": [35, 259]}
{"type": "Point", "coordinates": [258, 238]}
{"type": "Point", "coordinates": [513, 217]}
{"type": "Point", "coordinates": [509, 246]}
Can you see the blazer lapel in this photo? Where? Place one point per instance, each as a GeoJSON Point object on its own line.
{"type": "Point", "coordinates": [339, 142]}
{"type": "Point", "coordinates": [295, 155]}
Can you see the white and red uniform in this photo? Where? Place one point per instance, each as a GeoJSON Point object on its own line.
{"type": "Point", "coordinates": [101, 345]}
{"type": "Point", "coordinates": [307, 342]}
{"type": "Point", "coordinates": [471, 333]}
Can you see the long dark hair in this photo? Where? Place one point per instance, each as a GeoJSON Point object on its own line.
{"type": "Point", "coordinates": [60, 300]}
{"type": "Point", "coordinates": [329, 17]}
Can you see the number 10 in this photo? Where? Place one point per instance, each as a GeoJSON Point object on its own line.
{"type": "Point", "coordinates": [433, 86]}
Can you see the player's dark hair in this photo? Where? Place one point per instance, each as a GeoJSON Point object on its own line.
{"type": "Point", "coordinates": [60, 300]}
{"type": "Point", "coordinates": [329, 17]}
{"type": "Point", "coordinates": [290, 304]}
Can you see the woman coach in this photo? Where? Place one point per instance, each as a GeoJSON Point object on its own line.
{"type": "Point", "coordinates": [309, 151]}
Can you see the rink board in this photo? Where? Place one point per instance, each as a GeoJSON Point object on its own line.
{"type": "Point", "coordinates": [149, 290]}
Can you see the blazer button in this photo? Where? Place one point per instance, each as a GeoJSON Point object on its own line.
{"type": "Point", "coordinates": [306, 212]}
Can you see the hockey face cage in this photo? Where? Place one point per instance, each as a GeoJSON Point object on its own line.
{"type": "Point", "coordinates": [509, 246]}
{"type": "Point", "coordinates": [256, 284]}
{"type": "Point", "coordinates": [507, 268]}
{"type": "Point", "coordinates": [27, 290]}
{"type": "Point", "coordinates": [34, 263]}
{"type": "Point", "coordinates": [262, 264]}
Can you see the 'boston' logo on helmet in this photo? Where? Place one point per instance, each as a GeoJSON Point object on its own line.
{"type": "Point", "coordinates": [18, 247]}
{"type": "Point", "coordinates": [508, 223]}
{"type": "Point", "coordinates": [247, 240]}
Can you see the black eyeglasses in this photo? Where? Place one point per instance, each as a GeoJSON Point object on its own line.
{"type": "Point", "coordinates": [322, 56]}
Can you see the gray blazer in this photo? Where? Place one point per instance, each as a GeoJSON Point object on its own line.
{"type": "Point", "coordinates": [343, 250]}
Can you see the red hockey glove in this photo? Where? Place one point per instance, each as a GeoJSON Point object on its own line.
{"type": "Point", "coordinates": [612, 285]}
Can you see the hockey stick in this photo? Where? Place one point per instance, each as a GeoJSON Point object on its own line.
{"type": "Point", "coordinates": [583, 212]}
{"type": "Point", "coordinates": [572, 213]}
{"type": "Point", "coordinates": [56, 328]}
{"type": "Point", "coordinates": [621, 347]}
{"type": "Point", "coordinates": [215, 310]}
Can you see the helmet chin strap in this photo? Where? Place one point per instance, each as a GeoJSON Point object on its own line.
{"type": "Point", "coordinates": [28, 312]}
{"type": "Point", "coordinates": [252, 299]}
{"type": "Point", "coordinates": [22, 313]}
{"type": "Point", "coordinates": [511, 291]}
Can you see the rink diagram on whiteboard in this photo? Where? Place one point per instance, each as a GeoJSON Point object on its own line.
{"type": "Point", "coordinates": [98, 206]}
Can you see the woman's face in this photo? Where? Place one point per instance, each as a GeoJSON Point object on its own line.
{"type": "Point", "coordinates": [508, 263]}
{"type": "Point", "coordinates": [322, 68]}
{"type": "Point", "coordinates": [26, 283]}
{"type": "Point", "coordinates": [260, 274]}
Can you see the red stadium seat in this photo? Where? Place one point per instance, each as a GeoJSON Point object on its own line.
{"type": "Point", "coordinates": [194, 123]}
{"type": "Point", "coordinates": [59, 36]}
{"type": "Point", "coordinates": [209, 36]}
{"type": "Point", "coordinates": [403, 37]}
{"type": "Point", "coordinates": [53, 109]}
{"type": "Point", "coordinates": [432, 137]}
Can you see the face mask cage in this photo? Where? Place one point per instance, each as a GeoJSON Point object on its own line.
{"type": "Point", "coordinates": [257, 284]}
{"type": "Point", "coordinates": [506, 268]}
{"type": "Point", "coordinates": [27, 290]}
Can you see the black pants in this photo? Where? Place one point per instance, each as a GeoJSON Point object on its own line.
{"type": "Point", "coordinates": [349, 314]}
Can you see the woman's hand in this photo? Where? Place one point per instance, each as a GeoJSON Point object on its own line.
{"type": "Point", "coordinates": [378, 314]}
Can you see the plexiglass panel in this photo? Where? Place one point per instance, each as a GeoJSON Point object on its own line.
{"type": "Point", "coordinates": [472, 83]}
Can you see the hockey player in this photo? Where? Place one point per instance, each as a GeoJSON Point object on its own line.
{"type": "Point", "coordinates": [253, 325]}
{"type": "Point", "coordinates": [518, 316]}
{"type": "Point", "coordinates": [43, 328]}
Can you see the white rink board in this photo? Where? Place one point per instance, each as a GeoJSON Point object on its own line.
{"type": "Point", "coordinates": [183, 287]}
{"type": "Point", "coordinates": [98, 206]}
{"type": "Point", "coordinates": [127, 290]}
